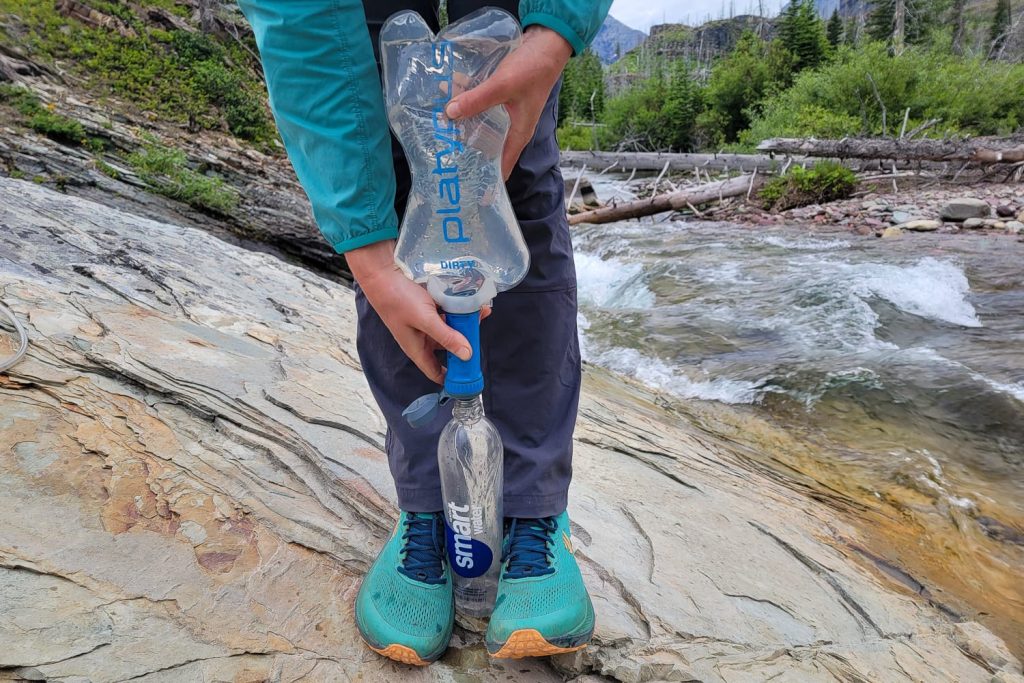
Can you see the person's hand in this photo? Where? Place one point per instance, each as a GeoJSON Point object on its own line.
{"type": "Point", "coordinates": [522, 83]}
{"type": "Point", "coordinates": [406, 309]}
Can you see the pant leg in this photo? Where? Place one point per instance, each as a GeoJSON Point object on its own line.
{"type": "Point", "coordinates": [530, 351]}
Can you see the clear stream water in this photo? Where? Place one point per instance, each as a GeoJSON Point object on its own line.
{"type": "Point", "coordinates": [898, 363]}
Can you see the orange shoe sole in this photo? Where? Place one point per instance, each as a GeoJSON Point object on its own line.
{"type": "Point", "coordinates": [528, 642]}
{"type": "Point", "coordinates": [400, 653]}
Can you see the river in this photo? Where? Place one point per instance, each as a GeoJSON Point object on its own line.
{"type": "Point", "coordinates": [892, 370]}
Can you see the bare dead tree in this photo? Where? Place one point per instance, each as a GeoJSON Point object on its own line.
{"type": "Point", "coordinates": [899, 27]}
{"type": "Point", "coordinates": [958, 26]}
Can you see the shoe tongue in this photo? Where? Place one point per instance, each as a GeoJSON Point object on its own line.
{"type": "Point", "coordinates": [424, 559]}
{"type": "Point", "coordinates": [528, 550]}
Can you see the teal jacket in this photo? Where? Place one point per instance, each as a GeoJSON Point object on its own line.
{"type": "Point", "coordinates": [326, 97]}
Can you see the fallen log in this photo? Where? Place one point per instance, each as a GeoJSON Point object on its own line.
{"type": "Point", "coordinates": [982, 150]}
{"type": "Point", "coordinates": [656, 161]}
{"type": "Point", "coordinates": [670, 201]}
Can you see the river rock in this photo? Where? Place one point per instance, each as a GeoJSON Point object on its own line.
{"type": "Point", "coordinates": [892, 232]}
{"type": "Point", "coordinates": [964, 208]}
{"type": "Point", "coordinates": [974, 223]}
{"type": "Point", "coordinates": [1005, 211]}
{"type": "Point", "coordinates": [193, 477]}
{"type": "Point", "coordinates": [898, 217]}
{"type": "Point", "coordinates": [921, 225]}
{"type": "Point", "coordinates": [1014, 227]}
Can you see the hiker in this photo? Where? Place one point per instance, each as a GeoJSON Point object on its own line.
{"type": "Point", "coordinates": [325, 91]}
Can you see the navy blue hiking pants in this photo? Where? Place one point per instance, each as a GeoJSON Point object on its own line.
{"type": "Point", "coordinates": [529, 345]}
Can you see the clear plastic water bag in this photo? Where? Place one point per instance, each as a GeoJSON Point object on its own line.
{"type": "Point", "coordinates": [459, 236]}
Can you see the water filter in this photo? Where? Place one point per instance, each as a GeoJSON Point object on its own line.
{"type": "Point", "coordinates": [460, 239]}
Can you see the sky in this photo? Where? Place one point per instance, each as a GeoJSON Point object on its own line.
{"type": "Point", "coordinates": [642, 14]}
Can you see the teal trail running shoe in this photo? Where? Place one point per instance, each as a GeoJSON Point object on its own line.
{"type": "Point", "coordinates": [542, 607]}
{"type": "Point", "coordinates": [405, 608]}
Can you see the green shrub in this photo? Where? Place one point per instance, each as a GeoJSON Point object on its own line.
{"type": "Point", "coordinates": [180, 76]}
{"type": "Point", "coordinates": [166, 171]}
{"type": "Point", "coordinates": [243, 110]}
{"type": "Point", "coordinates": [968, 96]}
{"type": "Point", "coordinates": [107, 170]}
{"type": "Point", "coordinates": [22, 99]}
{"type": "Point", "coordinates": [45, 121]}
{"type": "Point", "coordinates": [57, 127]}
{"type": "Point", "coordinates": [825, 182]}
{"type": "Point", "coordinates": [739, 83]}
{"type": "Point", "coordinates": [657, 114]}
{"type": "Point", "coordinates": [575, 138]}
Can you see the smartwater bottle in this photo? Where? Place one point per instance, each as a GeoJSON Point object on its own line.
{"type": "Point", "coordinates": [460, 239]}
{"type": "Point", "coordinates": [470, 456]}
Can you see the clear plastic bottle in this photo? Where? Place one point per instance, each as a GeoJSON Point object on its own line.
{"type": "Point", "coordinates": [459, 234]}
{"type": "Point", "coordinates": [470, 455]}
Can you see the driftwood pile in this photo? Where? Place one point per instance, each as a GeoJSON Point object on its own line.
{"type": "Point", "coordinates": [670, 201]}
{"type": "Point", "coordinates": [874, 158]}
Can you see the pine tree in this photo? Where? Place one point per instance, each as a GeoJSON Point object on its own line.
{"type": "Point", "coordinates": [582, 94]}
{"type": "Point", "coordinates": [803, 33]}
{"type": "Point", "coordinates": [852, 30]}
{"type": "Point", "coordinates": [899, 22]}
{"type": "Point", "coordinates": [1000, 27]}
{"type": "Point", "coordinates": [880, 21]}
{"type": "Point", "coordinates": [835, 29]}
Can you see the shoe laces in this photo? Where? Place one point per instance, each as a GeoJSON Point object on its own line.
{"type": "Point", "coordinates": [423, 548]}
{"type": "Point", "coordinates": [527, 548]}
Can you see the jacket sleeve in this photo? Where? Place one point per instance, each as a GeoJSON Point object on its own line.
{"type": "Point", "coordinates": [578, 21]}
{"type": "Point", "coordinates": [327, 100]}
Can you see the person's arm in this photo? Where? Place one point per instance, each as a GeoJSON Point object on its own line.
{"type": "Point", "coordinates": [553, 30]}
{"type": "Point", "coordinates": [327, 100]}
{"type": "Point", "coordinates": [326, 97]}
{"type": "Point", "coordinates": [578, 21]}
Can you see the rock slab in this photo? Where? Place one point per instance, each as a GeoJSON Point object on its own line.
{"type": "Point", "coordinates": [961, 209]}
{"type": "Point", "coordinates": [193, 482]}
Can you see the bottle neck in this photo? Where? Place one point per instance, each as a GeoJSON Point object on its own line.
{"type": "Point", "coordinates": [468, 410]}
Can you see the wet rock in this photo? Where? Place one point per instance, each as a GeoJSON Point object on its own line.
{"type": "Point", "coordinates": [1014, 227]}
{"type": "Point", "coordinates": [921, 225]}
{"type": "Point", "coordinates": [1005, 211]}
{"type": "Point", "coordinates": [891, 232]}
{"type": "Point", "coordinates": [974, 223]}
{"type": "Point", "coordinates": [965, 207]}
{"type": "Point", "coordinates": [194, 482]}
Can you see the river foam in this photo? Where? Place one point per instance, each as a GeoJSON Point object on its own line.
{"type": "Point", "coordinates": [610, 283]}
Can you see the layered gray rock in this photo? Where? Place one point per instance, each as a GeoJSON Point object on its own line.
{"type": "Point", "coordinates": [193, 485]}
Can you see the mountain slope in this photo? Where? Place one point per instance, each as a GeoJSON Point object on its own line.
{"type": "Point", "coordinates": [615, 39]}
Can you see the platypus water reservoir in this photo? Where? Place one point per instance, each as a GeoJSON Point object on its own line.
{"type": "Point", "coordinates": [460, 239]}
